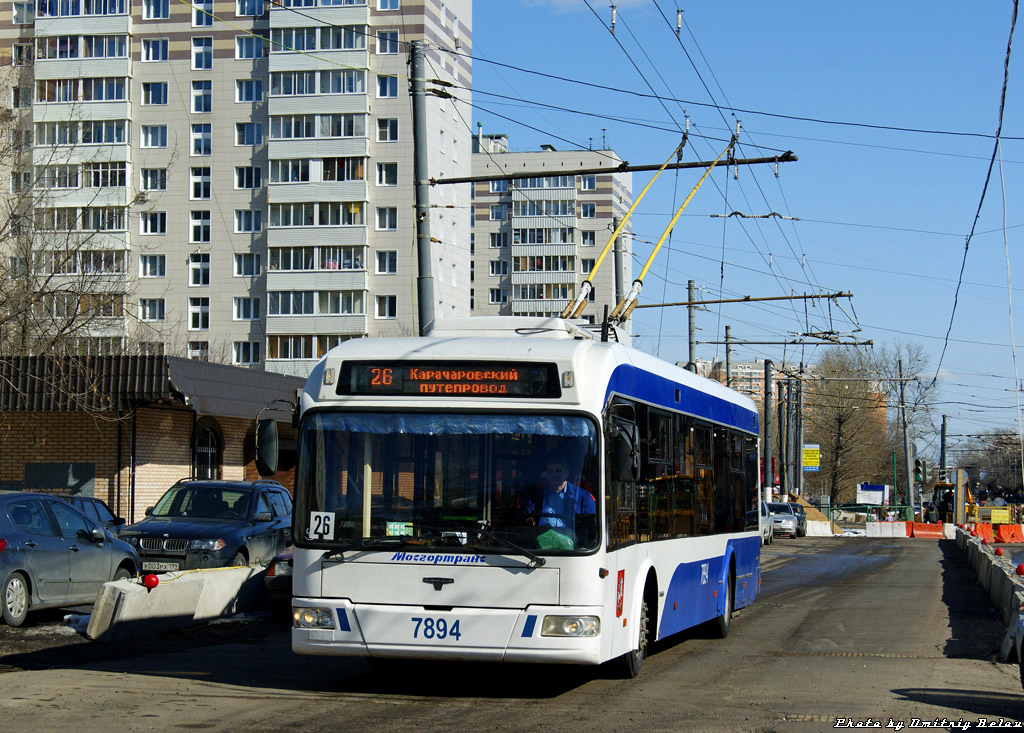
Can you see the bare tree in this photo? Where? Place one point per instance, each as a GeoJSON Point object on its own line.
{"type": "Point", "coordinates": [845, 413]}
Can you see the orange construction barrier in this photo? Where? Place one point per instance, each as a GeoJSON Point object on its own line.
{"type": "Point", "coordinates": [984, 530]}
{"type": "Point", "coordinates": [1009, 533]}
{"type": "Point", "coordinates": [931, 531]}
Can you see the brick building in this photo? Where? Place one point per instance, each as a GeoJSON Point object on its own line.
{"type": "Point", "coordinates": [124, 429]}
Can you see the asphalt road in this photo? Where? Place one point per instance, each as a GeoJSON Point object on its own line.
{"type": "Point", "coordinates": [843, 629]}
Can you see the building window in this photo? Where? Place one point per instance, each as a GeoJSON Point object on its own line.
{"type": "Point", "coordinates": [99, 132]}
{"type": "Point", "coordinates": [248, 133]}
{"type": "Point", "coordinates": [291, 303]}
{"type": "Point", "coordinates": [343, 38]}
{"type": "Point", "coordinates": [154, 92]}
{"type": "Point", "coordinates": [156, 9]}
{"type": "Point", "coordinates": [248, 177]}
{"type": "Point", "coordinates": [499, 239]}
{"type": "Point", "coordinates": [248, 47]}
{"type": "Point", "coordinates": [387, 130]}
{"type": "Point", "coordinates": [248, 221]}
{"type": "Point", "coordinates": [387, 262]}
{"type": "Point", "coordinates": [153, 179]}
{"type": "Point", "coordinates": [21, 54]}
{"type": "Point", "coordinates": [249, 7]}
{"type": "Point", "coordinates": [151, 309]}
{"type": "Point", "coordinates": [387, 306]}
{"type": "Point", "coordinates": [387, 86]}
{"type": "Point", "coordinates": [152, 265]}
{"type": "Point", "coordinates": [249, 90]}
{"type": "Point", "coordinates": [387, 174]}
{"type": "Point", "coordinates": [21, 97]}
{"type": "Point", "coordinates": [154, 49]}
{"type": "Point", "coordinates": [387, 4]}
{"type": "Point", "coordinates": [387, 42]}
{"type": "Point", "coordinates": [246, 309]}
{"type": "Point", "coordinates": [588, 210]}
{"type": "Point", "coordinates": [387, 218]}
{"type": "Point", "coordinates": [247, 264]}
{"type": "Point", "coordinates": [23, 14]}
{"type": "Point", "coordinates": [246, 352]}
{"type": "Point", "coordinates": [199, 269]}
{"type": "Point", "coordinates": [200, 231]}
{"type": "Point", "coordinates": [586, 265]}
{"type": "Point", "coordinates": [499, 186]}
{"type": "Point", "coordinates": [199, 350]}
{"type": "Point", "coordinates": [202, 13]}
{"type": "Point", "coordinates": [153, 222]}
{"type": "Point", "coordinates": [201, 183]}
{"type": "Point", "coordinates": [499, 212]}
{"type": "Point", "coordinates": [198, 314]}
{"type": "Point", "coordinates": [202, 52]}
{"type": "Point", "coordinates": [499, 268]}
{"type": "Point", "coordinates": [202, 140]}
{"type": "Point", "coordinates": [588, 183]}
{"type": "Point", "coordinates": [497, 295]}
{"type": "Point", "coordinates": [202, 96]}
{"type": "Point", "coordinates": [289, 171]}
{"type": "Point", "coordinates": [343, 169]}
{"type": "Point", "coordinates": [588, 239]}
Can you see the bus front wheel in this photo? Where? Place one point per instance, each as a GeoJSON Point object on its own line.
{"type": "Point", "coordinates": [634, 660]}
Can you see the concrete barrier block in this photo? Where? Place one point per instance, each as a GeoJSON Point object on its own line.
{"type": "Point", "coordinates": [949, 531]}
{"type": "Point", "coordinates": [899, 529]}
{"type": "Point", "coordinates": [818, 528]}
{"type": "Point", "coordinates": [874, 529]}
{"type": "Point", "coordinates": [127, 610]}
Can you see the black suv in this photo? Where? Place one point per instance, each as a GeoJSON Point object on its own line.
{"type": "Point", "coordinates": [202, 523]}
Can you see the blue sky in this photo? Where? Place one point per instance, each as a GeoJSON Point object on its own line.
{"type": "Point", "coordinates": [892, 110]}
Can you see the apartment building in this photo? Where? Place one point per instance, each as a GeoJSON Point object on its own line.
{"type": "Point", "coordinates": [237, 175]}
{"type": "Point", "coordinates": [539, 229]}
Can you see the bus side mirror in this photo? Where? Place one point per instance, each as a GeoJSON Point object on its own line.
{"type": "Point", "coordinates": [266, 447]}
{"type": "Point", "coordinates": [626, 455]}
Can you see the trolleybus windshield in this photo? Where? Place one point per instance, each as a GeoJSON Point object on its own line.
{"type": "Point", "coordinates": [469, 482]}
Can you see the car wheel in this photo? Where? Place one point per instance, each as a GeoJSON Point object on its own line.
{"type": "Point", "coordinates": [240, 560]}
{"type": "Point", "coordinates": [122, 574]}
{"type": "Point", "coordinates": [633, 661]}
{"type": "Point", "coordinates": [15, 599]}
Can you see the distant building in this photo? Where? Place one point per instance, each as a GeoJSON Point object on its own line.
{"type": "Point", "coordinates": [535, 239]}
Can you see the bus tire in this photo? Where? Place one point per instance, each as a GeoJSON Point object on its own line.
{"type": "Point", "coordinates": [633, 661]}
{"type": "Point", "coordinates": [722, 623]}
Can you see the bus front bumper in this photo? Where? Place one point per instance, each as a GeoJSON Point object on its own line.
{"type": "Point", "coordinates": [341, 628]}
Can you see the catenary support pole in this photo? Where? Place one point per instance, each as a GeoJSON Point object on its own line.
{"type": "Point", "coordinates": [424, 276]}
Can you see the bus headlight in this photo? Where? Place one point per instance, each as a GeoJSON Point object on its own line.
{"type": "Point", "coordinates": [313, 618]}
{"type": "Point", "coordinates": [571, 626]}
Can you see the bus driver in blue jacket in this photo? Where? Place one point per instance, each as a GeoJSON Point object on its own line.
{"type": "Point", "coordinates": [561, 500]}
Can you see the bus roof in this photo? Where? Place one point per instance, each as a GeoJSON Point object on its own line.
{"type": "Point", "coordinates": [596, 369]}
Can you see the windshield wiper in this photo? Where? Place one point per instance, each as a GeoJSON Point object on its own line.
{"type": "Point", "coordinates": [366, 543]}
{"type": "Point", "coordinates": [535, 560]}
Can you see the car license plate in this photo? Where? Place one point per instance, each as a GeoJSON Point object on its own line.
{"type": "Point", "coordinates": [160, 566]}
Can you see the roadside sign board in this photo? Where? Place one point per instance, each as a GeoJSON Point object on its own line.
{"type": "Point", "coordinates": [812, 457]}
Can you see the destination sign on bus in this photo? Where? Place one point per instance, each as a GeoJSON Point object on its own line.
{"type": "Point", "coordinates": [449, 379]}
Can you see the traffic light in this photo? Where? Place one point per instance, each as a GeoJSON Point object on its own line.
{"type": "Point", "coordinates": [919, 470]}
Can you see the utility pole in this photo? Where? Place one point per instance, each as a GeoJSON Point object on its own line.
{"type": "Point", "coordinates": [906, 444]}
{"type": "Point", "coordinates": [617, 261]}
{"type": "Point", "coordinates": [767, 481]}
{"type": "Point", "coordinates": [942, 451]}
{"type": "Point", "coordinates": [728, 357]}
{"type": "Point", "coordinates": [424, 276]}
{"type": "Point", "coordinates": [799, 442]}
{"type": "Point", "coordinates": [692, 317]}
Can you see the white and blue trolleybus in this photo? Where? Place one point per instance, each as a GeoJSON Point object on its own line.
{"type": "Point", "coordinates": [517, 489]}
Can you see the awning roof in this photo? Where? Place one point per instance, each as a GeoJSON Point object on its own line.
{"type": "Point", "coordinates": [116, 383]}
